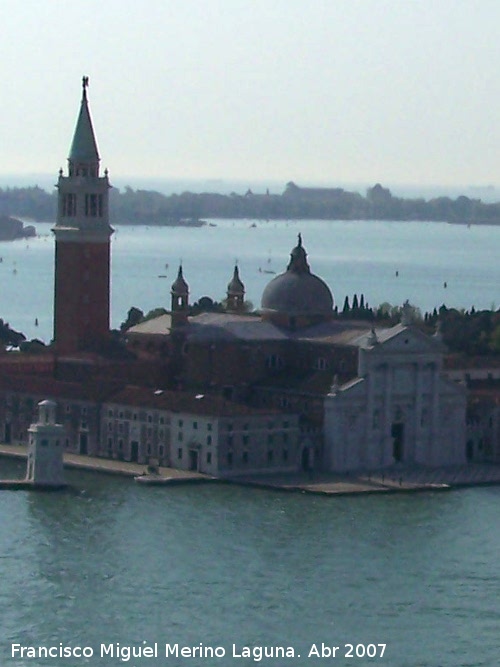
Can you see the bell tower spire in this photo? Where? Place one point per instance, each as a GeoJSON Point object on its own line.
{"type": "Point", "coordinates": [82, 234]}
{"type": "Point", "coordinates": [83, 155]}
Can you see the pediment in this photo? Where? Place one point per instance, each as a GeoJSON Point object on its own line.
{"type": "Point", "coordinates": [407, 339]}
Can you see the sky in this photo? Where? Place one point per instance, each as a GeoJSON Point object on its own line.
{"type": "Point", "coordinates": [314, 91]}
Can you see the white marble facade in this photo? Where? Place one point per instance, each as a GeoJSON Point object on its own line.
{"type": "Point", "coordinates": [400, 409]}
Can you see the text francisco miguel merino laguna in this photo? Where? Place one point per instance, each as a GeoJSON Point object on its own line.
{"type": "Point", "coordinates": [124, 653]}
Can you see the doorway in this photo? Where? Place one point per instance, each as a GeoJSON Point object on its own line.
{"type": "Point", "coordinates": [397, 433]}
{"type": "Point", "coordinates": [134, 451]}
{"type": "Point", "coordinates": [193, 460]}
{"type": "Point", "coordinates": [84, 443]}
{"type": "Point", "coordinates": [306, 459]}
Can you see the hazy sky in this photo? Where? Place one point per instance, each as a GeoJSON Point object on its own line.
{"type": "Point", "coordinates": [327, 91]}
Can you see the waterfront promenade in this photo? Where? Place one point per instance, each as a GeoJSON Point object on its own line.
{"type": "Point", "coordinates": [395, 479]}
{"type": "Point", "coordinates": [109, 466]}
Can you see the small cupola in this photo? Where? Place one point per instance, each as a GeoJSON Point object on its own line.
{"type": "Point", "coordinates": [180, 299]}
{"type": "Point", "coordinates": [235, 292]}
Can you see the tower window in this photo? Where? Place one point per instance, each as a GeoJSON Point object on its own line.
{"type": "Point", "coordinates": [69, 205]}
{"type": "Point", "coordinates": [92, 205]}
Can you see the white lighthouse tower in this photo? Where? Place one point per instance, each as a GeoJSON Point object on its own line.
{"type": "Point", "coordinates": [45, 448]}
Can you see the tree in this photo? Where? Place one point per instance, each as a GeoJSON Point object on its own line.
{"type": "Point", "coordinates": [135, 315]}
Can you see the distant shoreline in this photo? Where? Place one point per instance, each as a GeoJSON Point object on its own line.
{"type": "Point", "coordinates": [150, 207]}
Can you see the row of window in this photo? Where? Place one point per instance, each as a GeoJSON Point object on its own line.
{"type": "Point", "coordinates": [94, 205]}
{"type": "Point", "coordinates": [149, 447]}
{"type": "Point", "coordinates": [245, 457]}
{"type": "Point", "coordinates": [121, 429]}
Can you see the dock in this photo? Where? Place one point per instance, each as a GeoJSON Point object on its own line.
{"type": "Point", "coordinates": [110, 466]}
{"type": "Point", "coordinates": [395, 479]}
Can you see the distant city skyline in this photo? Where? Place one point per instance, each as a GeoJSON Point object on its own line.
{"type": "Point", "coordinates": [327, 92]}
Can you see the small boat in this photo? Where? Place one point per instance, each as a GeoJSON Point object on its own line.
{"type": "Point", "coordinates": [152, 479]}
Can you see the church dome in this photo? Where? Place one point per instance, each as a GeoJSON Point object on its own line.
{"type": "Point", "coordinates": [297, 291]}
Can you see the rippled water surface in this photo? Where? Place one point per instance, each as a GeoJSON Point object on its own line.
{"type": "Point", "coordinates": [110, 561]}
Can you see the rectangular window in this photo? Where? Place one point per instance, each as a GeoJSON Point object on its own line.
{"type": "Point", "coordinates": [209, 457]}
{"type": "Point", "coordinates": [91, 206]}
{"type": "Point", "coordinates": [209, 439]}
{"type": "Point", "coordinates": [246, 439]}
{"type": "Point", "coordinates": [285, 455]}
{"type": "Point", "coordinates": [270, 454]}
{"type": "Point", "coordinates": [69, 205]}
{"type": "Point", "coordinates": [244, 457]}
{"type": "Point", "coordinates": [179, 453]}
{"type": "Point", "coordinates": [195, 425]}
{"type": "Point", "coordinates": [209, 427]}
{"type": "Point", "coordinates": [230, 459]}
{"type": "Point", "coordinates": [180, 422]}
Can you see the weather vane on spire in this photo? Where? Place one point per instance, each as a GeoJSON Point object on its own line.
{"type": "Point", "coordinates": [85, 85]}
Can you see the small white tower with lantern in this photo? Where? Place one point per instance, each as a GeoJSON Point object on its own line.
{"type": "Point", "coordinates": [45, 448]}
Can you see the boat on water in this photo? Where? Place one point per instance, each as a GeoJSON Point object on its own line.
{"type": "Point", "coordinates": [153, 479]}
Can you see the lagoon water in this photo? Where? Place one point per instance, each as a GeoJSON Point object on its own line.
{"type": "Point", "coordinates": [353, 257]}
{"type": "Point", "coordinates": [112, 562]}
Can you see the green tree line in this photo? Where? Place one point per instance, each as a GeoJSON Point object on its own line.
{"type": "Point", "coordinates": [149, 207]}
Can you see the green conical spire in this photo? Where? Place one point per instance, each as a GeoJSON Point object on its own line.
{"type": "Point", "coordinates": [84, 146]}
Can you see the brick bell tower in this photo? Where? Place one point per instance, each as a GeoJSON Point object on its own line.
{"type": "Point", "coordinates": [82, 235]}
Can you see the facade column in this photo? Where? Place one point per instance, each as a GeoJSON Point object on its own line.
{"type": "Point", "coordinates": [387, 437]}
{"type": "Point", "coordinates": [367, 457]}
{"type": "Point", "coordinates": [434, 440]}
{"type": "Point", "coordinates": [418, 455]}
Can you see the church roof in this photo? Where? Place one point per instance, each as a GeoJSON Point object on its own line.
{"type": "Point", "coordinates": [84, 145]}
{"type": "Point", "coordinates": [297, 291]}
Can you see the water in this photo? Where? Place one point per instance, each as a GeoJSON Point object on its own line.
{"type": "Point", "coordinates": [115, 562]}
{"type": "Point", "coordinates": [112, 561]}
{"type": "Point", "coordinates": [353, 257]}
